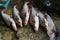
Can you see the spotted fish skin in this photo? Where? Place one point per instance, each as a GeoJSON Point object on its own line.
{"type": "Point", "coordinates": [34, 20]}
{"type": "Point", "coordinates": [48, 23]}
{"type": "Point", "coordinates": [16, 16]}
{"type": "Point", "coordinates": [25, 13]}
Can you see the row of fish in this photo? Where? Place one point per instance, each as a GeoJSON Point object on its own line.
{"type": "Point", "coordinates": [16, 17]}
{"type": "Point", "coordinates": [35, 17]}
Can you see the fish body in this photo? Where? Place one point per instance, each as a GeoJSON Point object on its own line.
{"type": "Point", "coordinates": [9, 21]}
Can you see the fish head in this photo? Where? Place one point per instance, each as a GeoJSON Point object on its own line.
{"type": "Point", "coordinates": [13, 25]}
{"type": "Point", "coordinates": [19, 21]}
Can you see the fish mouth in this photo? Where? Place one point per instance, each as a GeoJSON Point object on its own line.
{"type": "Point", "coordinates": [36, 30]}
{"type": "Point", "coordinates": [21, 25]}
{"type": "Point", "coordinates": [15, 29]}
{"type": "Point", "coordinates": [25, 22]}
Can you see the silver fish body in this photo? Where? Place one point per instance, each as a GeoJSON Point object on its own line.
{"type": "Point", "coordinates": [16, 16]}
{"type": "Point", "coordinates": [48, 24]}
{"type": "Point", "coordinates": [25, 13]}
{"type": "Point", "coordinates": [34, 20]}
{"type": "Point", "coordinates": [8, 20]}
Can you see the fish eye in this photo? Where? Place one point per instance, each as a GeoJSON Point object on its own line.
{"type": "Point", "coordinates": [16, 17]}
{"type": "Point", "coordinates": [33, 21]}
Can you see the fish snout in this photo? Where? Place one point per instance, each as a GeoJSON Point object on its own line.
{"type": "Point", "coordinates": [20, 23]}
{"type": "Point", "coordinates": [25, 22]}
{"type": "Point", "coordinates": [35, 29]}
{"type": "Point", "coordinates": [15, 28]}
